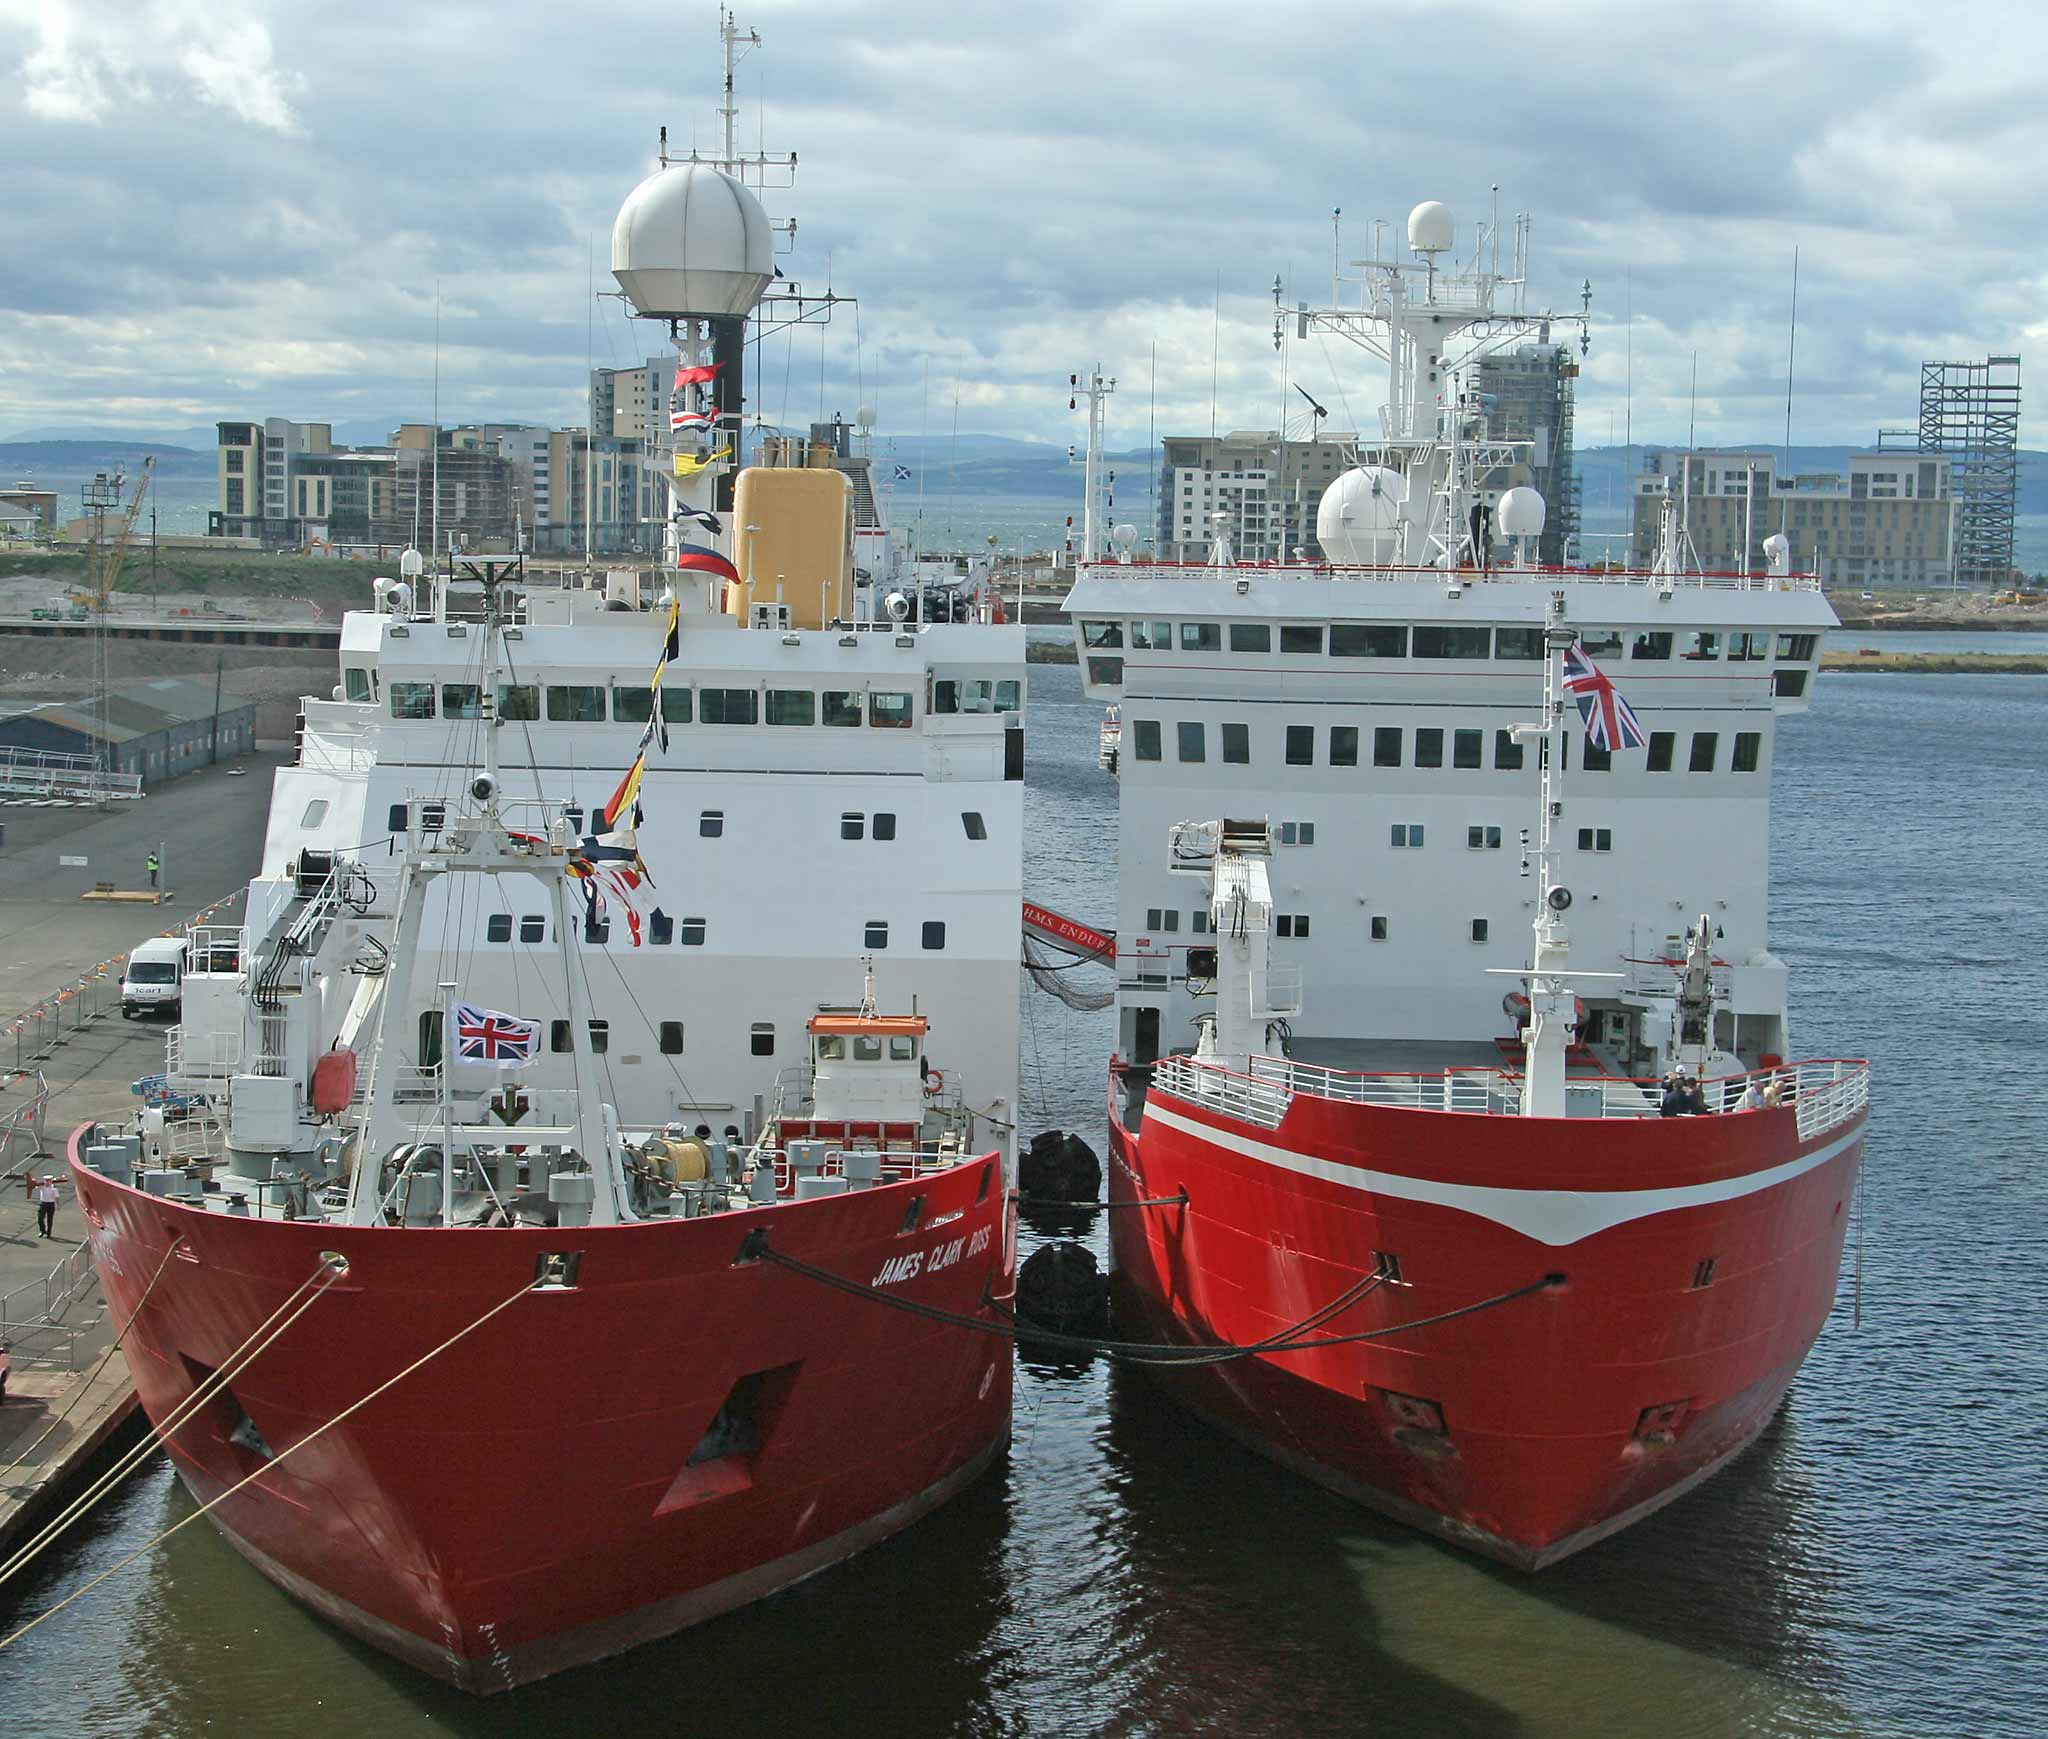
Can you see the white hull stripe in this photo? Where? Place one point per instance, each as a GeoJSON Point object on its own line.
{"type": "Point", "coordinates": [1554, 1217]}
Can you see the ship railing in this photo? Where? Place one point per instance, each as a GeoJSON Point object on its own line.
{"type": "Point", "coordinates": [337, 736]}
{"type": "Point", "coordinates": [1219, 1089]}
{"type": "Point", "coordinates": [197, 1136]}
{"type": "Point", "coordinates": [1717, 580]}
{"type": "Point", "coordinates": [1826, 1093]}
{"type": "Point", "coordinates": [214, 948]}
{"type": "Point", "coordinates": [205, 1056]}
{"type": "Point", "coordinates": [895, 1163]}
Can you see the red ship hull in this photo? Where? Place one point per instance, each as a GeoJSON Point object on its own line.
{"type": "Point", "coordinates": [550, 1490]}
{"type": "Point", "coordinates": [1697, 1256]}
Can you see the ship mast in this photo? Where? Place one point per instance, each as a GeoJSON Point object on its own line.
{"type": "Point", "coordinates": [1095, 389]}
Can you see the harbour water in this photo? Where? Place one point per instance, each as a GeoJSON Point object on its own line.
{"type": "Point", "coordinates": [1872, 1567]}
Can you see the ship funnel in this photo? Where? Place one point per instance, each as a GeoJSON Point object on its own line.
{"type": "Point", "coordinates": [690, 241]}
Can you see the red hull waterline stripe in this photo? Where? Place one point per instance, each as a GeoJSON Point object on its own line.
{"type": "Point", "coordinates": [1553, 1217]}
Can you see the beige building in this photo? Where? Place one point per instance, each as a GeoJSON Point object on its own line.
{"type": "Point", "coordinates": [1267, 489]}
{"type": "Point", "coordinates": [1889, 520]}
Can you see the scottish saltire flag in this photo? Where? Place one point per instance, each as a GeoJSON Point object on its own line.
{"type": "Point", "coordinates": [487, 1036]}
{"type": "Point", "coordinates": [1610, 721]}
{"type": "Point", "coordinates": [902, 473]}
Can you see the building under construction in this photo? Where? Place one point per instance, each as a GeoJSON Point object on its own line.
{"type": "Point", "coordinates": [1970, 412]}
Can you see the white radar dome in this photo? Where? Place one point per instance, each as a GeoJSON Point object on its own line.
{"type": "Point", "coordinates": [1358, 520]}
{"type": "Point", "coordinates": [866, 417]}
{"type": "Point", "coordinates": [690, 240]}
{"type": "Point", "coordinates": [1520, 513]}
{"type": "Point", "coordinates": [1124, 536]}
{"type": "Point", "coordinates": [1431, 229]}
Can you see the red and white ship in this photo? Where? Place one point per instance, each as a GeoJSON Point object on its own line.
{"type": "Point", "coordinates": [1511, 1297]}
{"type": "Point", "coordinates": [493, 1351]}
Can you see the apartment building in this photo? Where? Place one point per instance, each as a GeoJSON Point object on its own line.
{"type": "Point", "coordinates": [1887, 520]}
{"type": "Point", "coordinates": [1266, 488]}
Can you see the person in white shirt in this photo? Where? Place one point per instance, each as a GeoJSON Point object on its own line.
{"type": "Point", "coordinates": [43, 1192]}
{"type": "Point", "coordinates": [1752, 1096]}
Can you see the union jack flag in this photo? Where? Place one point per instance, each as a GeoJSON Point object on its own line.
{"type": "Point", "coordinates": [501, 1041]}
{"type": "Point", "coordinates": [1610, 721]}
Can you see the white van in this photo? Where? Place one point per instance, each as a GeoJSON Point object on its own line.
{"type": "Point", "coordinates": [155, 977]}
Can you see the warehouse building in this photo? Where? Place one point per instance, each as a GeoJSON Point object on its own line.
{"type": "Point", "coordinates": [157, 729]}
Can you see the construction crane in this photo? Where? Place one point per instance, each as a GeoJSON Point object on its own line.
{"type": "Point", "coordinates": [108, 560]}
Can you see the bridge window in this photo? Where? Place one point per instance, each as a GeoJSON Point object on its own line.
{"type": "Point", "coordinates": [889, 711]}
{"type": "Point", "coordinates": [576, 704]}
{"type": "Point", "coordinates": [1466, 748]}
{"type": "Point", "coordinates": [1343, 745]}
{"type": "Point", "coordinates": [1661, 745]}
{"type": "Point", "coordinates": [1507, 753]}
{"type": "Point", "coordinates": [1145, 739]}
{"type": "Point", "coordinates": [1429, 748]}
{"type": "Point", "coordinates": [791, 706]}
{"type": "Point", "coordinates": [1704, 746]}
{"type": "Point", "coordinates": [1301, 745]}
{"type": "Point", "coordinates": [634, 706]}
{"type": "Point", "coordinates": [971, 821]}
{"type": "Point", "coordinates": [355, 682]}
{"type": "Point", "coordinates": [1748, 751]}
{"type": "Point", "coordinates": [461, 700]}
{"type": "Point", "coordinates": [1749, 646]}
{"type": "Point", "coordinates": [1797, 647]}
{"type": "Point", "coordinates": [1151, 636]}
{"type": "Point", "coordinates": [1102, 634]}
{"type": "Point", "coordinates": [519, 701]}
{"type": "Point", "coordinates": [1237, 745]}
{"type": "Point", "coordinates": [840, 706]}
{"type": "Point", "coordinates": [1386, 746]}
{"type": "Point", "coordinates": [934, 933]}
{"type": "Point", "coordinates": [1651, 645]}
{"type": "Point", "coordinates": [1367, 640]}
{"type": "Point", "coordinates": [728, 706]}
{"type": "Point", "coordinates": [1521, 643]}
{"type": "Point", "coordinates": [1601, 642]}
{"type": "Point", "coordinates": [1301, 639]}
{"type": "Point", "coordinates": [412, 700]}
{"type": "Point", "coordinates": [1434, 640]}
{"type": "Point", "coordinates": [1191, 740]}
{"type": "Point", "coordinates": [1595, 759]}
{"type": "Point", "coordinates": [1201, 637]}
{"type": "Point", "coordinates": [1703, 645]}
{"type": "Point", "coordinates": [1788, 684]}
{"type": "Point", "coordinates": [1251, 637]}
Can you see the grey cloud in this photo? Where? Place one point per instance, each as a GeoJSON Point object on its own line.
{"type": "Point", "coordinates": [1011, 193]}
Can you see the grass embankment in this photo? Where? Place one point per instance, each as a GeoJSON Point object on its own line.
{"type": "Point", "coordinates": [196, 573]}
{"type": "Point", "coordinates": [1940, 663]}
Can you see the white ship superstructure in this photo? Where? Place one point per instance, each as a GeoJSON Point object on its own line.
{"type": "Point", "coordinates": [831, 776]}
{"type": "Point", "coordinates": [1368, 706]}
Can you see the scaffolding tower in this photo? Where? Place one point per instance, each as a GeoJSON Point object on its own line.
{"type": "Point", "coordinates": [1970, 411]}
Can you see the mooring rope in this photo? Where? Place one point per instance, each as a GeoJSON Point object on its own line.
{"type": "Point", "coordinates": [330, 1270]}
{"type": "Point", "coordinates": [275, 1461]}
{"type": "Point", "coordinates": [756, 1248]}
{"type": "Point", "coordinates": [113, 1347]}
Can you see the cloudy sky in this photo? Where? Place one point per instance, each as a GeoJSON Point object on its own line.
{"type": "Point", "coordinates": [226, 208]}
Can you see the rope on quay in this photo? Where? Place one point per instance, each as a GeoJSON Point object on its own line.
{"type": "Point", "coordinates": [756, 1248]}
{"type": "Point", "coordinates": [1029, 1204]}
{"type": "Point", "coordinates": [92, 1377]}
{"type": "Point", "coordinates": [330, 1270]}
{"type": "Point", "coordinates": [277, 1460]}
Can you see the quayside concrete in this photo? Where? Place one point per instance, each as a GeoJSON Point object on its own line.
{"type": "Point", "coordinates": [61, 1413]}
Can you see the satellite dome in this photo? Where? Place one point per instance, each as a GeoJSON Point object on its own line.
{"type": "Point", "coordinates": [690, 240]}
{"type": "Point", "coordinates": [866, 417]}
{"type": "Point", "coordinates": [1520, 513]}
{"type": "Point", "coordinates": [1358, 520]}
{"type": "Point", "coordinates": [1431, 229]}
{"type": "Point", "coordinates": [1124, 536]}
